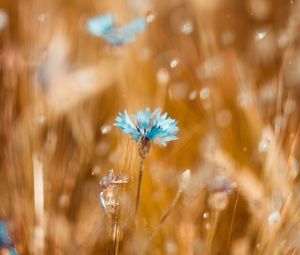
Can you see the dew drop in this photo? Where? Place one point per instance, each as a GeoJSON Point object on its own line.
{"type": "Point", "coordinates": [150, 17]}
{"type": "Point", "coordinates": [205, 215]}
{"type": "Point", "coordinates": [261, 35]}
{"type": "Point", "coordinates": [193, 95]}
{"type": "Point", "coordinates": [187, 28]}
{"type": "Point", "coordinates": [105, 129]}
{"type": "Point", "coordinates": [273, 218]}
{"type": "Point", "coordinates": [204, 93]}
{"type": "Point", "coordinates": [96, 170]}
{"type": "Point", "coordinates": [174, 63]}
{"type": "Point", "coordinates": [263, 145]}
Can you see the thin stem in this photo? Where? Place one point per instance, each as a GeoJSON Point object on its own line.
{"type": "Point", "coordinates": [172, 206]}
{"type": "Point", "coordinates": [115, 234]}
{"type": "Point", "coordinates": [141, 170]}
{"type": "Point", "coordinates": [109, 233]}
{"type": "Point", "coordinates": [166, 214]}
{"type": "Point", "coordinates": [231, 223]}
{"type": "Point", "coordinates": [215, 219]}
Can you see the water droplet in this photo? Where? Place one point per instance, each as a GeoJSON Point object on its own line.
{"type": "Point", "coordinates": [174, 63]}
{"type": "Point", "coordinates": [204, 93]}
{"type": "Point", "coordinates": [261, 35]}
{"type": "Point", "coordinates": [187, 27]}
{"type": "Point", "coordinates": [205, 215]}
{"type": "Point", "coordinates": [163, 76]}
{"type": "Point", "coordinates": [96, 170]}
{"type": "Point", "coordinates": [273, 218]}
{"type": "Point", "coordinates": [193, 95]}
{"type": "Point", "coordinates": [105, 129]}
{"type": "Point", "coordinates": [150, 17]}
{"type": "Point", "coordinates": [263, 145]}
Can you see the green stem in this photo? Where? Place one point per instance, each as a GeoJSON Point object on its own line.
{"type": "Point", "coordinates": [141, 170]}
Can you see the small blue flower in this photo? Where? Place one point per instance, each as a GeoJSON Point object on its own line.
{"type": "Point", "coordinates": [4, 236]}
{"type": "Point", "coordinates": [5, 241]}
{"type": "Point", "coordinates": [148, 125]}
{"type": "Point", "coordinates": [12, 251]}
{"type": "Point", "coordinates": [105, 26]}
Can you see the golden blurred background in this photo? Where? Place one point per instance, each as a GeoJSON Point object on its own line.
{"type": "Point", "coordinates": [227, 70]}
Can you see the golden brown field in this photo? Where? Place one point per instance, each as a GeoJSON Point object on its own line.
{"type": "Point", "coordinates": [227, 70]}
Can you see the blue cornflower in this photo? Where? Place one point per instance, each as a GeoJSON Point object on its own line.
{"type": "Point", "coordinates": [4, 236]}
{"type": "Point", "coordinates": [148, 126]}
{"type": "Point", "coordinates": [105, 26]}
{"type": "Point", "coordinates": [5, 241]}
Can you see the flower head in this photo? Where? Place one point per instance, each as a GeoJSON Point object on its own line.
{"type": "Point", "coordinates": [5, 240]}
{"type": "Point", "coordinates": [105, 26]}
{"type": "Point", "coordinates": [147, 126]}
{"type": "Point", "coordinates": [107, 196]}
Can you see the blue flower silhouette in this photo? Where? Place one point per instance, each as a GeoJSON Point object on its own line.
{"type": "Point", "coordinates": [5, 241]}
{"type": "Point", "coordinates": [105, 26]}
{"type": "Point", "coordinates": [147, 125]}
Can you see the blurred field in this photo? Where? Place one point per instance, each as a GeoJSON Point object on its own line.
{"type": "Point", "coordinates": [227, 70]}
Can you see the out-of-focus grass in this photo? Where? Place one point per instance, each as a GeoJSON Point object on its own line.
{"type": "Point", "coordinates": [228, 71]}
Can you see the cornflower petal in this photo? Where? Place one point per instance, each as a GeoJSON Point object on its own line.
{"type": "Point", "coordinates": [150, 125]}
{"type": "Point", "coordinates": [104, 26]}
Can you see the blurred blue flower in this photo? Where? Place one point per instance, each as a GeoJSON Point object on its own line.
{"type": "Point", "coordinates": [147, 125]}
{"type": "Point", "coordinates": [105, 26]}
{"type": "Point", "coordinates": [4, 236]}
{"type": "Point", "coordinates": [5, 241]}
{"type": "Point", "coordinates": [12, 251]}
